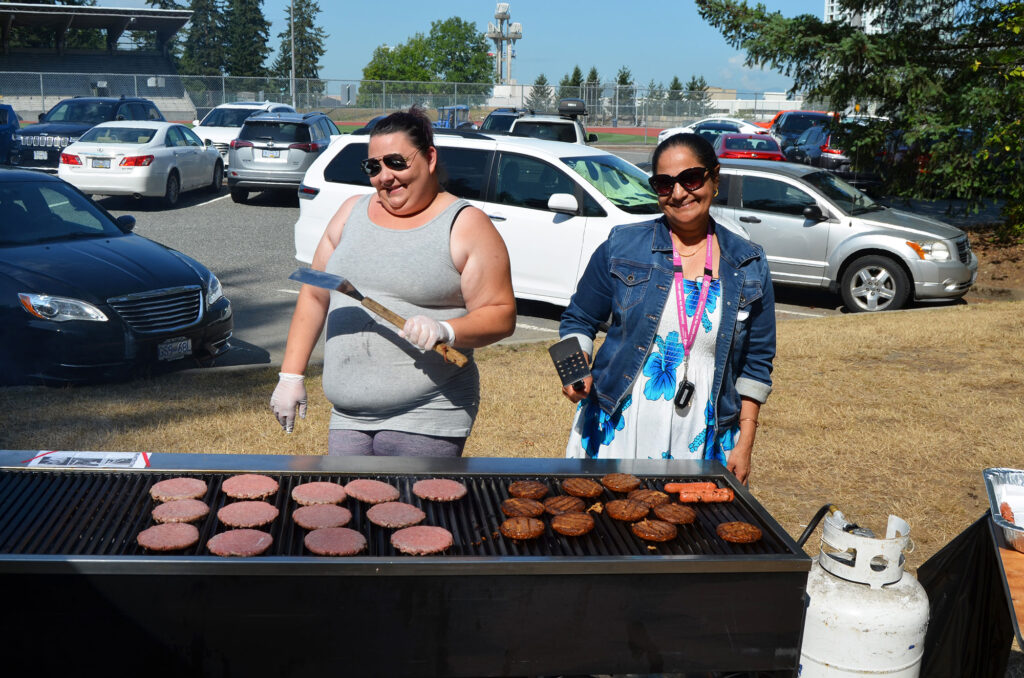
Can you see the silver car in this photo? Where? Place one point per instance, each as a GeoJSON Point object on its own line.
{"type": "Point", "coordinates": [819, 231]}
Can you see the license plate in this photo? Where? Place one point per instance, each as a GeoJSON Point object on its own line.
{"type": "Point", "coordinates": [271, 154]}
{"type": "Point", "coordinates": [101, 163]}
{"type": "Point", "coordinates": [174, 349]}
{"type": "Point", "coordinates": [39, 155]}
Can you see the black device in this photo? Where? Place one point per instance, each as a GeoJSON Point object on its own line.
{"type": "Point", "coordinates": [571, 362]}
{"type": "Point", "coordinates": [684, 394]}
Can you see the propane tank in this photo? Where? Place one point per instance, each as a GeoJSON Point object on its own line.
{"type": "Point", "coordinates": [865, 615]}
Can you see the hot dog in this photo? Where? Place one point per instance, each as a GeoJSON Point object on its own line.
{"type": "Point", "coordinates": [1006, 512]}
{"type": "Point", "coordinates": [689, 487]}
{"type": "Point", "coordinates": [721, 494]}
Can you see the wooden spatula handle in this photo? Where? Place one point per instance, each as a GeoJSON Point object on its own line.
{"type": "Point", "coordinates": [450, 354]}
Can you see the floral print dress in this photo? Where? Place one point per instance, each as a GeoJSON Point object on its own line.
{"type": "Point", "coordinates": [648, 425]}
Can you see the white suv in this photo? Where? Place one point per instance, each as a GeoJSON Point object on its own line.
{"type": "Point", "coordinates": [221, 125]}
{"type": "Point", "coordinates": [552, 202]}
{"type": "Point", "coordinates": [565, 126]}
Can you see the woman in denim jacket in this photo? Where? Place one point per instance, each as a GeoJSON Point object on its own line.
{"type": "Point", "coordinates": [662, 388]}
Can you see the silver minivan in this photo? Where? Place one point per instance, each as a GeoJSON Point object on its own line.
{"type": "Point", "coordinates": [819, 231]}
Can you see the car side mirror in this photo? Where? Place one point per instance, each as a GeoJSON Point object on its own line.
{"type": "Point", "coordinates": [591, 138]}
{"type": "Point", "coordinates": [564, 203]}
{"type": "Point", "coordinates": [813, 213]}
{"type": "Point", "coordinates": [42, 116]}
{"type": "Point", "coordinates": [207, 142]}
{"type": "Point", "coordinates": [125, 222]}
{"type": "Point", "coordinates": [195, 123]}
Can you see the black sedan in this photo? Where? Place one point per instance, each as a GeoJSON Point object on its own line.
{"type": "Point", "coordinates": [82, 298]}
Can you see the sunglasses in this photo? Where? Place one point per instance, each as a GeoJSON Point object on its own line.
{"type": "Point", "coordinates": [690, 179]}
{"type": "Point", "coordinates": [395, 162]}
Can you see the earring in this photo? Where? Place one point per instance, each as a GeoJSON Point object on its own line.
{"type": "Point", "coordinates": [716, 193]}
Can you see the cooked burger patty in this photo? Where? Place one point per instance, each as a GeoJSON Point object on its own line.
{"type": "Point", "coordinates": [738, 532]}
{"type": "Point", "coordinates": [247, 514]}
{"type": "Point", "coordinates": [395, 514]}
{"type": "Point", "coordinates": [168, 537]}
{"type": "Point", "coordinates": [249, 486]}
{"type": "Point", "coordinates": [335, 541]}
{"type": "Point", "coordinates": [241, 543]}
{"type": "Point", "coordinates": [675, 513]}
{"type": "Point", "coordinates": [517, 506]}
{"type": "Point", "coordinates": [522, 527]}
{"type": "Point", "coordinates": [309, 494]}
{"type": "Point", "coordinates": [178, 488]}
{"type": "Point", "coordinates": [620, 482]}
{"type": "Point", "coordinates": [528, 489]}
{"type": "Point", "coordinates": [439, 489]}
{"type": "Point", "coordinates": [654, 530]}
{"type": "Point", "coordinates": [564, 503]}
{"type": "Point", "coordinates": [371, 491]}
{"type": "Point", "coordinates": [180, 511]}
{"type": "Point", "coordinates": [321, 515]}
{"type": "Point", "coordinates": [626, 509]}
{"type": "Point", "coordinates": [581, 487]}
{"type": "Point", "coordinates": [572, 524]}
{"type": "Point", "coordinates": [650, 497]}
{"type": "Point", "coordinates": [422, 540]}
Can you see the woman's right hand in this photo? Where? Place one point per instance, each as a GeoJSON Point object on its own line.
{"type": "Point", "coordinates": [289, 400]}
{"type": "Point", "coordinates": [577, 395]}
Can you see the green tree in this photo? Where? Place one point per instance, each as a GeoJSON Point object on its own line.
{"type": "Point", "coordinates": [625, 97]}
{"type": "Point", "coordinates": [45, 37]}
{"type": "Point", "coordinates": [940, 71]}
{"type": "Point", "coordinates": [571, 84]}
{"type": "Point", "coordinates": [248, 38]}
{"type": "Point", "coordinates": [592, 90]}
{"type": "Point", "coordinates": [697, 97]}
{"type": "Point", "coordinates": [204, 50]}
{"type": "Point", "coordinates": [540, 95]}
{"type": "Point", "coordinates": [309, 42]}
{"type": "Point", "coordinates": [675, 89]}
{"type": "Point", "coordinates": [655, 91]}
{"type": "Point", "coordinates": [457, 52]}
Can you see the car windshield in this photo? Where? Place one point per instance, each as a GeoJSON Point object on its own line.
{"type": "Point", "coordinates": [498, 123]}
{"type": "Point", "coordinates": [846, 197]}
{"type": "Point", "coordinates": [33, 212]}
{"type": "Point", "coordinates": [81, 111]}
{"type": "Point", "coordinates": [795, 124]}
{"type": "Point", "coordinates": [622, 183]}
{"type": "Point", "coordinates": [227, 117]}
{"type": "Point", "coordinates": [552, 130]}
{"type": "Point", "coordinates": [273, 130]}
{"type": "Point", "coordinates": [118, 135]}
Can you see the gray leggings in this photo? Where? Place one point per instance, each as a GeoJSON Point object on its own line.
{"type": "Point", "coordinates": [345, 443]}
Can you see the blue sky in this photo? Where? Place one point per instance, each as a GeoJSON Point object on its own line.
{"type": "Point", "coordinates": [662, 40]}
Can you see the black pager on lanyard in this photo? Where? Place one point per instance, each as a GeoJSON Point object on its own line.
{"type": "Point", "coordinates": [686, 388]}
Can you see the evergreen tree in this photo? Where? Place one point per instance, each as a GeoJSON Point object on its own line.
{"type": "Point", "coordinates": [675, 89]}
{"type": "Point", "coordinates": [204, 51]}
{"type": "Point", "coordinates": [571, 84]}
{"type": "Point", "coordinates": [540, 95]}
{"type": "Point", "coordinates": [699, 101]}
{"type": "Point", "coordinates": [625, 92]}
{"type": "Point", "coordinates": [309, 42]}
{"type": "Point", "coordinates": [592, 90]}
{"type": "Point", "coordinates": [248, 37]}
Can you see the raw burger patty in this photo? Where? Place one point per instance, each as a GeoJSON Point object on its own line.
{"type": "Point", "coordinates": [395, 514]}
{"type": "Point", "coordinates": [627, 509]}
{"type": "Point", "coordinates": [738, 532]}
{"type": "Point", "coordinates": [675, 513]}
{"type": "Point", "coordinates": [650, 497]}
{"type": "Point", "coordinates": [572, 524]}
{"type": "Point", "coordinates": [180, 511]}
{"type": "Point", "coordinates": [421, 540]}
{"type": "Point", "coordinates": [564, 503]}
{"type": "Point", "coordinates": [439, 489]}
{"type": "Point", "coordinates": [335, 541]}
{"type": "Point", "coordinates": [321, 515]}
{"type": "Point", "coordinates": [528, 489]}
{"type": "Point", "coordinates": [371, 491]}
{"type": "Point", "coordinates": [247, 514]}
{"type": "Point", "coordinates": [239, 543]}
{"type": "Point", "coordinates": [654, 530]}
{"type": "Point", "coordinates": [620, 482]}
{"type": "Point", "coordinates": [249, 486]}
{"type": "Point", "coordinates": [517, 506]}
{"type": "Point", "coordinates": [581, 487]}
{"type": "Point", "coordinates": [522, 527]}
{"type": "Point", "coordinates": [308, 494]}
{"type": "Point", "coordinates": [168, 537]}
{"type": "Point", "coordinates": [178, 488]}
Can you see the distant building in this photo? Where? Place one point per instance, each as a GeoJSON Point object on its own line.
{"type": "Point", "coordinates": [870, 21]}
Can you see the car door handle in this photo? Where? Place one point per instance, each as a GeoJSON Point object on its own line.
{"type": "Point", "coordinates": [750, 220]}
{"type": "Point", "coordinates": [496, 217]}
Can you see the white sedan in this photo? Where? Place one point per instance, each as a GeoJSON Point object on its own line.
{"type": "Point", "coordinates": [141, 158]}
{"type": "Point", "coordinates": [742, 127]}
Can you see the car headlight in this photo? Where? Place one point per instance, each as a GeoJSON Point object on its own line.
{"type": "Point", "coordinates": [60, 309]}
{"type": "Point", "coordinates": [933, 250]}
{"type": "Point", "coordinates": [16, 138]}
{"type": "Point", "coordinates": [213, 290]}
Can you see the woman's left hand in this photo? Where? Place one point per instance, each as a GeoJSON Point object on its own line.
{"type": "Point", "coordinates": [739, 459]}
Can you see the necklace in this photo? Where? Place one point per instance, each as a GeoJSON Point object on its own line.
{"type": "Point", "coordinates": [690, 254]}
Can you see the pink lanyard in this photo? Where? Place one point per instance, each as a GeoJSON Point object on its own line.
{"type": "Point", "coordinates": [689, 334]}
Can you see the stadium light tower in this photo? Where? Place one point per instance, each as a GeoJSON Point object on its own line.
{"type": "Point", "coordinates": [503, 33]}
{"type": "Point", "coordinates": [291, 22]}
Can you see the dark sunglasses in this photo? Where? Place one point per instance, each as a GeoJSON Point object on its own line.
{"type": "Point", "coordinates": [395, 162]}
{"type": "Point", "coordinates": [691, 179]}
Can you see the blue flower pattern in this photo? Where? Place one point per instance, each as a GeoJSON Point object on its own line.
{"type": "Point", "coordinates": [661, 366]}
{"type": "Point", "coordinates": [598, 427]}
{"type": "Point", "coordinates": [691, 290]}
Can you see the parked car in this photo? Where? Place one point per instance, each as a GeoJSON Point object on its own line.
{"type": "Point", "coordinates": [223, 123]}
{"type": "Point", "coordinates": [141, 159]}
{"type": "Point", "coordinates": [274, 150]}
{"type": "Point", "coordinates": [9, 124]}
{"type": "Point", "coordinates": [819, 231]}
{"type": "Point", "coordinates": [814, 147]}
{"type": "Point", "coordinates": [735, 125]}
{"type": "Point", "coordinates": [454, 117]}
{"type": "Point", "coordinates": [82, 298]}
{"type": "Point", "coordinates": [749, 146]}
{"type": "Point", "coordinates": [368, 127]}
{"type": "Point", "coordinates": [500, 120]}
{"type": "Point", "coordinates": [39, 146]}
{"type": "Point", "coordinates": [566, 126]}
{"type": "Point", "coordinates": [552, 202]}
{"type": "Point", "coordinates": [788, 127]}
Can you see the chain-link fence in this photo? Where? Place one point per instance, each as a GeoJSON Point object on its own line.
{"type": "Point", "coordinates": [187, 97]}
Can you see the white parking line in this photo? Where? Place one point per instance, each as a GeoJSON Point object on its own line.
{"type": "Point", "coordinates": [535, 327]}
{"type": "Point", "coordinates": [806, 315]}
{"type": "Point", "coordinates": [295, 292]}
{"type": "Point", "coordinates": [212, 200]}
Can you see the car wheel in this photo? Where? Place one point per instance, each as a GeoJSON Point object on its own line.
{"type": "Point", "coordinates": [173, 190]}
{"type": "Point", "coordinates": [874, 283]}
{"type": "Point", "coordinates": [239, 195]}
{"type": "Point", "coordinates": [218, 178]}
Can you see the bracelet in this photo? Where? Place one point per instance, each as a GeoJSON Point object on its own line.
{"type": "Point", "coordinates": [756, 424]}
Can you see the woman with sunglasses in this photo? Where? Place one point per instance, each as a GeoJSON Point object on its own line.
{"type": "Point", "coordinates": [687, 360]}
{"type": "Point", "coordinates": [431, 258]}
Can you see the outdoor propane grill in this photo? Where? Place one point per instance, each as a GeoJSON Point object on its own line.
{"type": "Point", "coordinates": [606, 602]}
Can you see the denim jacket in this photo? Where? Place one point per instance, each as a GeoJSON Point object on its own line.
{"type": "Point", "coordinates": [627, 283]}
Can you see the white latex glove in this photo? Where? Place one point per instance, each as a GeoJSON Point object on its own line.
{"type": "Point", "coordinates": [289, 397]}
{"type": "Point", "coordinates": [426, 332]}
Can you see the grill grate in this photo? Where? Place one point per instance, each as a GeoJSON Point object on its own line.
{"type": "Point", "coordinates": [101, 513]}
{"type": "Point", "coordinates": [160, 310]}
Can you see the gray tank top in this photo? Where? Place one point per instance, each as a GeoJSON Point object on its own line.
{"type": "Point", "coordinates": [375, 379]}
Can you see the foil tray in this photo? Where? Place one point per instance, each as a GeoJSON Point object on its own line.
{"type": "Point", "coordinates": [1007, 485]}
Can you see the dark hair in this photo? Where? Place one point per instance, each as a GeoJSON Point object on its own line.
{"type": "Point", "coordinates": [696, 144]}
{"type": "Point", "coordinates": [414, 123]}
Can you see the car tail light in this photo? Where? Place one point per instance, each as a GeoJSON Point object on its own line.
{"type": "Point", "coordinates": [308, 192]}
{"type": "Point", "coordinates": [833, 151]}
{"type": "Point", "coordinates": [238, 143]}
{"type": "Point", "coordinates": [137, 161]}
{"type": "Point", "coordinates": [70, 159]}
{"type": "Point", "coordinates": [307, 147]}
